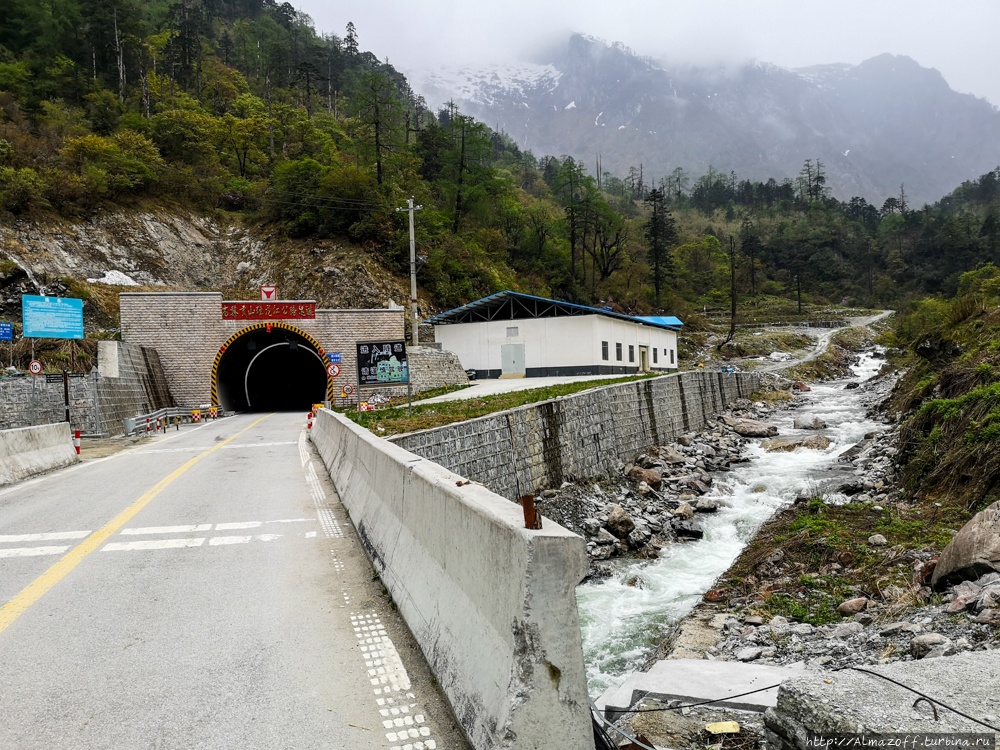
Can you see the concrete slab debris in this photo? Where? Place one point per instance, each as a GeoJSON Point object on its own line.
{"type": "Point", "coordinates": [694, 680]}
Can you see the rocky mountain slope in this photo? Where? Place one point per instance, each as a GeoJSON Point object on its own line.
{"type": "Point", "coordinates": [164, 250]}
{"type": "Point", "coordinates": [875, 125]}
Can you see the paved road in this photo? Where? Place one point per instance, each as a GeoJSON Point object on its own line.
{"type": "Point", "coordinates": [202, 591]}
{"type": "Point", "coordinates": [480, 388]}
{"type": "Point", "coordinates": [822, 342]}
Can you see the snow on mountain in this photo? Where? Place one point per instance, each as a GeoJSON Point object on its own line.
{"type": "Point", "coordinates": [874, 125]}
{"type": "Point", "coordinates": [484, 84]}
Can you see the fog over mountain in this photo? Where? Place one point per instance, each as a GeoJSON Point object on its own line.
{"type": "Point", "coordinates": [874, 125]}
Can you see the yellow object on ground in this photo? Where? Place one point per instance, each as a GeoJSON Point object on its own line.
{"type": "Point", "coordinates": [723, 727]}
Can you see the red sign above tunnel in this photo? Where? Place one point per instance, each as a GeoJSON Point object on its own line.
{"type": "Point", "coordinates": [268, 310]}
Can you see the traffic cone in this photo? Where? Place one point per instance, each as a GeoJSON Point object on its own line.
{"type": "Point", "coordinates": [76, 441]}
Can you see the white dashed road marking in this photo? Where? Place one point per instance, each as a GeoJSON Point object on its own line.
{"type": "Point", "coordinates": [47, 537]}
{"type": "Point", "coordinates": [239, 525]}
{"type": "Point", "coordinates": [217, 540]}
{"type": "Point", "coordinates": [31, 551]}
{"type": "Point", "coordinates": [168, 529]}
{"type": "Point", "coordinates": [153, 544]}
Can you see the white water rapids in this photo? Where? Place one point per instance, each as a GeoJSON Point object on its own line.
{"type": "Point", "coordinates": [622, 625]}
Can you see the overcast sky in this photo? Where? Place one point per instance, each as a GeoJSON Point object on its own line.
{"type": "Point", "coordinates": [955, 36]}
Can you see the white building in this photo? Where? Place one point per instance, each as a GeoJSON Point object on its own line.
{"type": "Point", "coordinates": [516, 335]}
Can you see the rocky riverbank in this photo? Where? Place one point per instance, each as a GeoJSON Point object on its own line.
{"type": "Point", "coordinates": [845, 579]}
{"type": "Point", "coordinates": [658, 498]}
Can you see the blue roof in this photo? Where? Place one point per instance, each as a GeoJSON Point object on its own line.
{"type": "Point", "coordinates": [516, 306]}
{"type": "Point", "coordinates": [663, 320]}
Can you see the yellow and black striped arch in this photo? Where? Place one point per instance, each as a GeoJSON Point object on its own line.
{"type": "Point", "coordinates": [255, 327]}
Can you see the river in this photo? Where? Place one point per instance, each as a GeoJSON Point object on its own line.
{"type": "Point", "coordinates": [622, 625]}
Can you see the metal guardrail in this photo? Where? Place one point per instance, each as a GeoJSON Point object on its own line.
{"type": "Point", "coordinates": [158, 421]}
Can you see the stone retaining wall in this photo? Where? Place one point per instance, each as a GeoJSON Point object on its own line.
{"type": "Point", "coordinates": [584, 435]}
{"type": "Point", "coordinates": [129, 381]}
{"type": "Point", "coordinates": [431, 367]}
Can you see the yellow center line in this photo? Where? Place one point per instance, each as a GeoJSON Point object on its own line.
{"type": "Point", "coordinates": [37, 588]}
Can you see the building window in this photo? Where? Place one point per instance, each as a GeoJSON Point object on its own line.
{"type": "Point", "coordinates": [512, 332]}
{"type": "Point", "coordinates": [631, 353]}
{"type": "Point", "coordinates": [671, 356]}
{"type": "Point", "coordinates": [618, 352]}
{"type": "Point", "coordinates": [604, 351]}
{"type": "Point", "coordinates": [655, 352]}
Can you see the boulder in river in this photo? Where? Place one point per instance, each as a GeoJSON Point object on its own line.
{"type": "Point", "coordinates": [816, 442]}
{"type": "Point", "coordinates": [973, 551]}
{"type": "Point", "coordinates": [686, 529]}
{"type": "Point", "coordinates": [753, 428]}
{"type": "Point", "coordinates": [684, 512]}
{"type": "Point", "coordinates": [809, 423]}
{"type": "Point", "coordinates": [620, 523]}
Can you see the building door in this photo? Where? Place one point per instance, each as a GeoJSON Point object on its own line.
{"type": "Point", "coordinates": [644, 359]}
{"type": "Point", "coordinates": [512, 360]}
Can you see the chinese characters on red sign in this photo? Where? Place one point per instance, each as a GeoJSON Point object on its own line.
{"type": "Point", "coordinates": [268, 310]}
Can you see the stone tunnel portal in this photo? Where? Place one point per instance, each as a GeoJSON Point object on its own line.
{"type": "Point", "coordinates": [270, 368]}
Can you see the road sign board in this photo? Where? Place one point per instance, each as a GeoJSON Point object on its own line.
{"type": "Point", "coordinates": [52, 317]}
{"type": "Point", "coordinates": [382, 363]}
{"type": "Point", "coordinates": [6, 331]}
{"type": "Point", "coordinates": [35, 368]}
{"type": "Point", "coordinates": [269, 293]}
{"type": "Point", "coordinates": [334, 358]}
{"type": "Point", "coordinates": [346, 391]}
{"type": "Point", "coordinates": [53, 377]}
{"type": "Point", "coordinates": [333, 370]}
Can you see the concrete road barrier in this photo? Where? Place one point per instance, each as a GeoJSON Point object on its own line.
{"type": "Point", "coordinates": [492, 604]}
{"type": "Point", "coordinates": [27, 451]}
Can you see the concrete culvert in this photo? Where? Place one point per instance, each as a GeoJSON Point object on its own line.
{"type": "Point", "coordinates": [278, 370]}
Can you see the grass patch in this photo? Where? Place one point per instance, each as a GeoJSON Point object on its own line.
{"type": "Point", "coordinates": [854, 339]}
{"type": "Point", "coordinates": [394, 421]}
{"type": "Point", "coordinates": [812, 535]}
{"type": "Point", "coordinates": [749, 343]}
{"type": "Point", "coordinates": [773, 397]}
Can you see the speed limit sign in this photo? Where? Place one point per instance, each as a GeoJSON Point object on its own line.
{"type": "Point", "coordinates": [333, 370]}
{"type": "Point", "coordinates": [347, 390]}
{"type": "Point", "coordinates": [35, 368]}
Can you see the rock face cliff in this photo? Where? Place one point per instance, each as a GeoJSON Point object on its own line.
{"type": "Point", "coordinates": [118, 251]}
{"type": "Point", "coordinates": [875, 125]}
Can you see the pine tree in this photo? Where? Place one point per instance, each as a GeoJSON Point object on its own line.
{"type": "Point", "coordinates": [661, 234]}
{"type": "Point", "coordinates": [351, 40]}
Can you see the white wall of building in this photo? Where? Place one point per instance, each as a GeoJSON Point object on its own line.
{"type": "Point", "coordinates": [570, 342]}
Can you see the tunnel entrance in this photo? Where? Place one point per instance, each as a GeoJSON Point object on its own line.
{"type": "Point", "coordinates": [270, 367]}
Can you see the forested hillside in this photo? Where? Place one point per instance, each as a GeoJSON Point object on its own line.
{"type": "Point", "coordinates": [244, 111]}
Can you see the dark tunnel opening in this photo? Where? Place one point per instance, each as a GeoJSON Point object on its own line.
{"type": "Point", "coordinates": [276, 370]}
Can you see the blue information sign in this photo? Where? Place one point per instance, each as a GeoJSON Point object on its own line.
{"type": "Point", "coordinates": [52, 317]}
{"type": "Point", "coordinates": [334, 358]}
{"type": "Point", "coordinates": [6, 331]}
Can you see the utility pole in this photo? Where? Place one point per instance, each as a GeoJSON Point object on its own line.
{"type": "Point", "coordinates": [414, 327]}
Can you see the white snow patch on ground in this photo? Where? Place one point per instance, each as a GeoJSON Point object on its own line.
{"type": "Point", "coordinates": [115, 278]}
{"type": "Point", "coordinates": [571, 105]}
